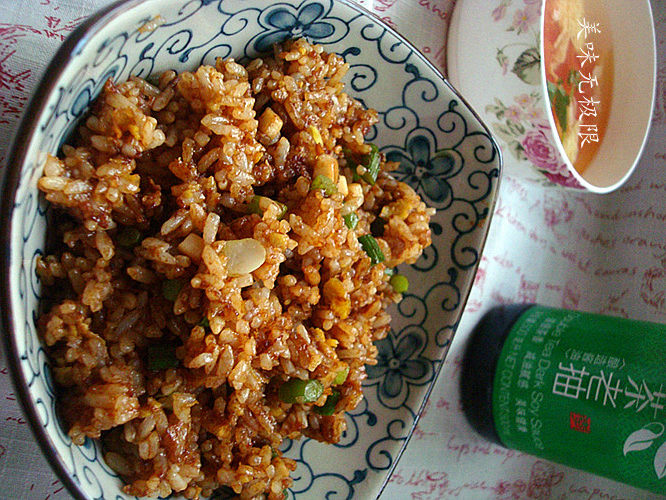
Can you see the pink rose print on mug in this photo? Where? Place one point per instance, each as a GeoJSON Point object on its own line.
{"type": "Point", "coordinates": [542, 153]}
{"type": "Point", "coordinates": [526, 134]}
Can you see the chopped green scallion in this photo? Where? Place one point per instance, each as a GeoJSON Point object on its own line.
{"type": "Point", "coordinates": [341, 376]}
{"type": "Point", "coordinates": [351, 220]}
{"type": "Point", "coordinates": [300, 391]}
{"type": "Point", "coordinates": [389, 271]}
{"type": "Point", "coordinates": [399, 283]}
{"type": "Point", "coordinates": [371, 164]}
{"type": "Point", "coordinates": [162, 356]}
{"type": "Point", "coordinates": [129, 237]}
{"type": "Point", "coordinates": [328, 408]}
{"type": "Point", "coordinates": [325, 184]}
{"type": "Point", "coordinates": [283, 210]}
{"type": "Point", "coordinates": [254, 207]}
{"type": "Point", "coordinates": [349, 157]}
{"type": "Point", "coordinates": [204, 322]}
{"type": "Point", "coordinates": [371, 247]}
{"type": "Point", "coordinates": [171, 289]}
{"type": "Point", "coordinates": [352, 164]}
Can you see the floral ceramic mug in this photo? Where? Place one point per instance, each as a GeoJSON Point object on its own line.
{"type": "Point", "coordinates": [566, 85]}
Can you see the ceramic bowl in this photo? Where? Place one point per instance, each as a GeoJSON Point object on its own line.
{"type": "Point", "coordinates": [494, 56]}
{"type": "Point", "coordinates": [445, 152]}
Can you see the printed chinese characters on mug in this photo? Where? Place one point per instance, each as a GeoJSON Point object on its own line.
{"type": "Point", "coordinates": [579, 73]}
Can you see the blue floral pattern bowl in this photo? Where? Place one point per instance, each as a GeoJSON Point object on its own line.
{"type": "Point", "coordinates": [444, 151]}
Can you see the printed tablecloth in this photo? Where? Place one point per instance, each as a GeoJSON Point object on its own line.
{"type": "Point", "coordinates": [602, 254]}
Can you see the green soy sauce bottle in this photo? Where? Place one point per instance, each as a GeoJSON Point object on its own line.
{"type": "Point", "coordinates": [584, 390]}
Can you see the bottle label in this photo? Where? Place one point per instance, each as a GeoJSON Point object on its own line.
{"type": "Point", "coordinates": [587, 391]}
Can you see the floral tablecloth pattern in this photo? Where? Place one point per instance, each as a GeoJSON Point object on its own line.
{"type": "Point", "coordinates": [597, 253]}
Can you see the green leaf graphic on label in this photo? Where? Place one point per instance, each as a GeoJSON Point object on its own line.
{"type": "Point", "coordinates": [643, 438]}
{"type": "Point", "coordinates": [660, 461]}
{"type": "Point", "coordinates": [560, 103]}
{"type": "Point", "coordinates": [527, 66]}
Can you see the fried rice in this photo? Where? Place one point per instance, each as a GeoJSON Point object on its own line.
{"type": "Point", "coordinates": [221, 267]}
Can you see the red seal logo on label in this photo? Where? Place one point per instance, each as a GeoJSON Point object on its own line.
{"type": "Point", "coordinates": [580, 423]}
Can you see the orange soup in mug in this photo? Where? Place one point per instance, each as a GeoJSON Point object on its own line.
{"type": "Point", "coordinates": [578, 63]}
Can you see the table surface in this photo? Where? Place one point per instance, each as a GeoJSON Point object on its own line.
{"type": "Point", "coordinates": [602, 254]}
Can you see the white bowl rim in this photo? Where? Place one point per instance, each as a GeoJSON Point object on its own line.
{"type": "Point", "coordinates": [17, 154]}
